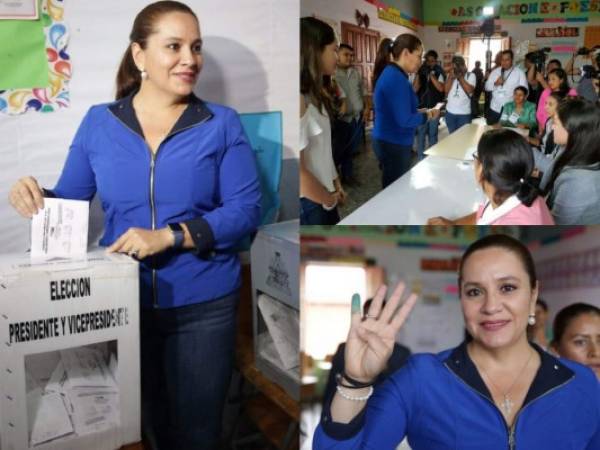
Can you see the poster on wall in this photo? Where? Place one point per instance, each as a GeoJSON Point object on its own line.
{"type": "Point", "coordinates": [40, 68]}
{"type": "Point", "coordinates": [19, 9]}
{"type": "Point", "coordinates": [557, 32]}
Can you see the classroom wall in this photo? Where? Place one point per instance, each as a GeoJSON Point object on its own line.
{"type": "Point", "coordinates": [337, 11]}
{"type": "Point", "coordinates": [576, 245]}
{"type": "Point", "coordinates": [249, 53]}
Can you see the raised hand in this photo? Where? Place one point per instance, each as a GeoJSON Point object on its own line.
{"type": "Point", "coordinates": [371, 339]}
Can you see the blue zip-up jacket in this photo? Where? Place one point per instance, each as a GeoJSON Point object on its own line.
{"type": "Point", "coordinates": [441, 403]}
{"type": "Point", "coordinates": [203, 174]}
{"type": "Point", "coordinates": [395, 104]}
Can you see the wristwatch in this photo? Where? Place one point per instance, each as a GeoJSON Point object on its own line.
{"type": "Point", "coordinates": [178, 234]}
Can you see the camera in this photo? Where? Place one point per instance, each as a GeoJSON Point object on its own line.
{"type": "Point", "coordinates": [538, 58]}
{"type": "Point", "coordinates": [458, 66]}
{"type": "Point", "coordinates": [589, 71]}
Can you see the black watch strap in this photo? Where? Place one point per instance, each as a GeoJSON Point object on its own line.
{"type": "Point", "coordinates": [178, 233]}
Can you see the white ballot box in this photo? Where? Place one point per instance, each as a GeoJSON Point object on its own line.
{"type": "Point", "coordinates": [275, 261]}
{"type": "Point", "coordinates": [69, 353]}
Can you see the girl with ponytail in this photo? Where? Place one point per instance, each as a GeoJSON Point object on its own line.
{"type": "Point", "coordinates": [503, 167]}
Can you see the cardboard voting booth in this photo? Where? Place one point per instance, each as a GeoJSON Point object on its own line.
{"type": "Point", "coordinates": [275, 258]}
{"type": "Point", "coordinates": [69, 353]}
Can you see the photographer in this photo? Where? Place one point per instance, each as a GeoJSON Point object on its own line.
{"type": "Point", "coordinates": [429, 85]}
{"type": "Point", "coordinates": [590, 76]}
{"type": "Point", "coordinates": [536, 78]}
{"type": "Point", "coordinates": [459, 88]}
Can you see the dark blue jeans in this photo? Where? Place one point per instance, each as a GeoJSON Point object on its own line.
{"type": "Point", "coordinates": [394, 160]}
{"type": "Point", "coordinates": [429, 129]}
{"type": "Point", "coordinates": [312, 213]}
{"type": "Point", "coordinates": [352, 148]}
{"type": "Point", "coordinates": [455, 121]}
{"type": "Point", "coordinates": [186, 363]}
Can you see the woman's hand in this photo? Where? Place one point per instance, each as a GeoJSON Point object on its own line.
{"type": "Point", "coordinates": [371, 339]}
{"type": "Point", "coordinates": [523, 126]}
{"type": "Point", "coordinates": [140, 243]}
{"type": "Point", "coordinates": [26, 197]}
{"type": "Point", "coordinates": [439, 221]}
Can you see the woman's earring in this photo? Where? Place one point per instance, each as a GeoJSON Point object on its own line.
{"type": "Point", "coordinates": [531, 320]}
{"type": "Point", "coordinates": [144, 74]}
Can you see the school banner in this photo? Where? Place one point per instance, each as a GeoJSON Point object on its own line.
{"type": "Point", "coordinates": [436, 12]}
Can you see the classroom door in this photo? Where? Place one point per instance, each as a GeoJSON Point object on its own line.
{"type": "Point", "coordinates": [364, 42]}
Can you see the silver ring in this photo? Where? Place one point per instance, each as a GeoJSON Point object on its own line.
{"type": "Point", "coordinates": [370, 316]}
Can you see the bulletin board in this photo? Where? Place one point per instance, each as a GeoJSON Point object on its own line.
{"type": "Point", "coordinates": [592, 36]}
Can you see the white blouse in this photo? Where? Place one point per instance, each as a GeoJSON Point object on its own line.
{"type": "Point", "coordinates": [315, 142]}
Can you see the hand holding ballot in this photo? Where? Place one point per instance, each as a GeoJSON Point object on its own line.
{"type": "Point", "coordinates": [26, 197]}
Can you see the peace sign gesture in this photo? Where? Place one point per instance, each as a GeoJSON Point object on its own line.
{"type": "Point", "coordinates": [371, 338]}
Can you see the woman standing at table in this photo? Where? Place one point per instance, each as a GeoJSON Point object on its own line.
{"type": "Point", "coordinates": [179, 188]}
{"type": "Point", "coordinates": [574, 185]}
{"type": "Point", "coordinates": [395, 105]}
{"type": "Point", "coordinates": [557, 82]}
{"type": "Point", "coordinates": [494, 391]}
{"type": "Point", "coordinates": [519, 113]}
{"type": "Point", "coordinates": [320, 187]}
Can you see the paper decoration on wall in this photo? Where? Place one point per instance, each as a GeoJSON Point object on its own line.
{"type": "Point", "coordinates": [391, 14]}
{"type": "Point", "coordinates": [592, 36]}
{"type": "Point", "coordinates": [22, 54]}
{"type": "Point", "coordinates": [362, 19]}
{"type": "Point", "coordinates": [577, 270]}
{"type": "Point", "coordinates": [54, 94]}
{"type": "Point", "coordinates": [557, 32]}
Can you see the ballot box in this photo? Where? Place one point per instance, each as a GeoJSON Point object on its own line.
{"type": "Point", "coordinates": [69, 353]}
{"type": "Point", "coordinates": [275, 260]}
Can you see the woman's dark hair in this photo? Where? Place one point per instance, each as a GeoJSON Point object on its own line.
{"type": "Point", "coordinates": [566, 315]}
{"type": "Point", "coordinates": [557, 96]}
{"type": "Point", "coordinates": [523, 89]}
{"type": "Point", "coordinates": [581, 119]}
{"type": "Point", "coordinates": [507, 243]}
{"type": "Point", "coordinates": [563, 88]}
{"type": "Point", "coordinates": [507, 164]}
{"type": "Point", "coordinates": [542, 304]}
{"type": "Point", "coordinates": [128, 75]}
{"type": "Point", "coordinates": [388, 47]}
{"type": "Point", "coordinates": [431, 53]}
{"type": "Point", "coordinates": [315, 35]}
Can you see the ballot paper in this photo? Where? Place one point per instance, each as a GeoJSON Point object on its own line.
{"type": "Point", "coordinates": [50, 421]}
{"type": "Point", "coordinates": [283, 327]}
{"type": "Point", "coordinates": [60, 230]}
{"type": "Point", "coordinates": [72, 391]}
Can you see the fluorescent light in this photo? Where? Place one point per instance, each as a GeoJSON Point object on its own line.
{"type": "Point", "coordinates": [488, 10]}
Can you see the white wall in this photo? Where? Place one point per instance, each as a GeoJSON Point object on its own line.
{"type": "Point", "coordinates": [250, 50]}
{"type": "Point", "coordinates": [559, 298]}
{"type": "Point", "coordinates": [337, 11]}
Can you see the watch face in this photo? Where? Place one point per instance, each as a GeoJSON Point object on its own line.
{"type": "Point", "coordinates": [175, 226]}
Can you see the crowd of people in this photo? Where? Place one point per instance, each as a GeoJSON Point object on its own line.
{"type": "Point", "coordinates": [544, 170]}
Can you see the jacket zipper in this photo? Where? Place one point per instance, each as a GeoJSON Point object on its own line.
{"type": "Point", "coordinates": [153, 157]}
{"type": "Point", "coordinates": [510, 431]}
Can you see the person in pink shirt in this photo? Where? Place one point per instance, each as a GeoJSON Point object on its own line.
{"type": "Point", "coordinates": [557, 82]}
{"type": "Point", "coordinates": [503, 167]}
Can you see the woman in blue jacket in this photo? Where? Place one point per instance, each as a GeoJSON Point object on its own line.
{"type": "Point", "coordinates": [179, 187]}
{"type": "Point", "coordinates": [496, 391]}
{"type": "Point", "coordinates": [395, 105]}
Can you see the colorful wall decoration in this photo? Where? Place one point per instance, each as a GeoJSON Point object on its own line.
{"type": "Point", "coordinates": [394, 15]}
{"type": "Point", "coordinates": [435, 12]}
{"type": "Point", "coordinates": [557, 32]}
{"type": "Point", "coordinates": [54, 94]}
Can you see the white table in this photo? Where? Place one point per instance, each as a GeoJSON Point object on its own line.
{"type": "Point", "coordinates": [440, 185]}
